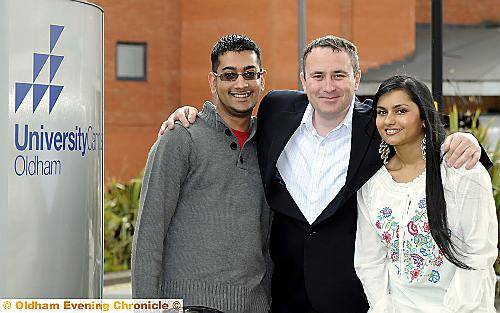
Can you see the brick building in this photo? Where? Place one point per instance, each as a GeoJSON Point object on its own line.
{"type": "Point", "coordinates": [157, 52]}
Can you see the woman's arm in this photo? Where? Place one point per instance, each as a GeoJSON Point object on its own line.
{"type": "Point", "coordinates": [473, 290]}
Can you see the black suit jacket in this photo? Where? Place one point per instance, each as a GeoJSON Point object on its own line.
{"type": "Point", "coordinates": [314, 264]}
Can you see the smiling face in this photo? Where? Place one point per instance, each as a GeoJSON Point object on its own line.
{"type": "Point", "coordinates": [398, 119]}
{"type": "Point", "coordinates": [237, 98]}
{"type": "Point", "coordinates": [330, 82]}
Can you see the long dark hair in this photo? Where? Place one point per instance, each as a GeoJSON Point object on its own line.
{"type": "Point", "coordinates": [435, 135]}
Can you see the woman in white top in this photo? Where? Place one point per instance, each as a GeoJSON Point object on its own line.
{"type": "Point", "coordinates": [427, 234]}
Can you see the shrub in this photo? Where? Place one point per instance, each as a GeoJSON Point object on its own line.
{"type": "Point", "coordinates": [121, 206]}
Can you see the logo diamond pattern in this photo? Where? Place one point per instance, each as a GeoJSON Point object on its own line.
{"type": "Point", "coordinates": [39, 61]}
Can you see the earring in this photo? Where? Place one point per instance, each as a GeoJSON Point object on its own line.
{"type": "Point", "coordinates": [384, 151]}
{"type": "Point", "coordinates": [423, 147]}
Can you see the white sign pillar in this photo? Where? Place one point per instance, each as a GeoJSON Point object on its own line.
{"type": "Point", "coordinates": [51, 156]}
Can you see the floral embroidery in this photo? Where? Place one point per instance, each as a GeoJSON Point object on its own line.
{"type": "Point", "coordinates": [394, 256]}
{"type": "Point", "coordinates": [414, 273]}
{"type": "Point", "coordinates": [425, 251]}
{"type": "Point", "coordinates": [421, 256]}
{"type": "Point", "coordinates": [386, 212]}
{"type": "Point", "coordinates": [389, 232]}
{"type": "Point", "coordinates": [418, 261]}
{"type": "Point", "coordinates": [412, 228]}
{"type": "Point", "coordinates": [395, 246]}
{"type": "Point", "coordinates": [420, 239]}
{"type": "Point", "coordinates": [387, 237]}
{"type": "Point", "coordinates": [434, 276]}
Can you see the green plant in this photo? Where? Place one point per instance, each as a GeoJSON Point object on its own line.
{"type": "Point", "coordinates": [121, 205]}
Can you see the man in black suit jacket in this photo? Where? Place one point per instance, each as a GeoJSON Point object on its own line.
{"type": "Point", "coordinates": [313, 260]}
{"type": "Point", "coordinates": [314, 266]}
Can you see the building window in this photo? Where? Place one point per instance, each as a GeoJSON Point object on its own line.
{"type": "Point", "coordinates": [131, 61]}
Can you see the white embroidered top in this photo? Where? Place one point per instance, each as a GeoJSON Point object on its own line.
{"type": "Point", "coordinates": [397, 260]}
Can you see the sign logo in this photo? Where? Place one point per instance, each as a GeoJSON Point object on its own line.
{"type": "Point", "coordinates": [39, 61]}
{"type": "Point", "coordinates": [43, 149]}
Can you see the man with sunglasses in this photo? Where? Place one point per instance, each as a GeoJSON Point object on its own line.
{"type": "Point", "coordinates": [203, 222]}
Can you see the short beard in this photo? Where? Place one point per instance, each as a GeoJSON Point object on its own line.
{"type": "Point", "coordinates": [237, 113]}
{"type": "Point", "coordinates": [234, 112]}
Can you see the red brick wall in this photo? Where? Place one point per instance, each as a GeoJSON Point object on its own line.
{"type": "Point", "coordinates": [461, 12]}
{"type": "Point", "coordinates": [180, 35]}
{"type": "Point", "coordinates": [272, 24]}
{"type": "Point", "coordinates": [373, 26]}
{"type": "Point", "coordinates": [329, 17]}
{"type": "Point", "coordinates": [134, 110]}
{"type": "Point", "coordinates": [383, 30]}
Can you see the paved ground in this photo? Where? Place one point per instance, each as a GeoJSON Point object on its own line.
{"type": "Point", "coordinates": [119, 291]}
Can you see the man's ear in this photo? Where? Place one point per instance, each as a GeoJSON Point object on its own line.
{"type": "Point", "coordinates": [303, 81]}
{"type": "Point", "coordinates": [263, 80]}
{"type": "Point", "coordinates": [212, 81]}
{"type": "Point", "coordinates": [357, 79]}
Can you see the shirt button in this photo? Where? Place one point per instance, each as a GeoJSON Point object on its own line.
{"type": "Point", "coordinates": [233, 145]}
{"type": "Point", "coordinates": [228, 132]}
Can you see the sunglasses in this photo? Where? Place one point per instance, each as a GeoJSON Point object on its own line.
{"type": "Point", "coordinates": [232, 76]}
